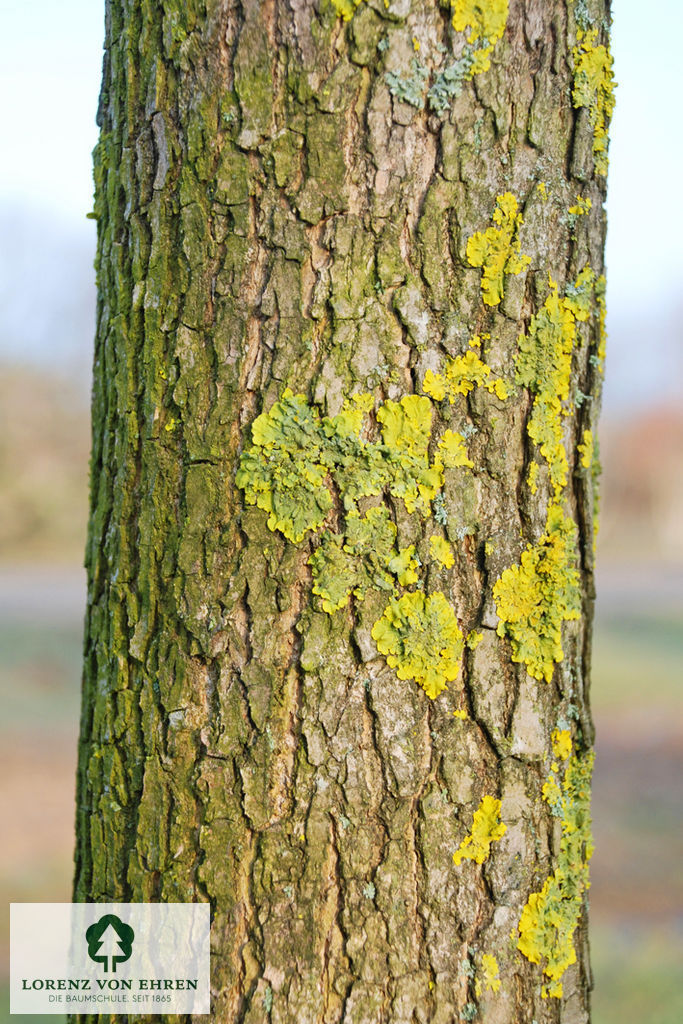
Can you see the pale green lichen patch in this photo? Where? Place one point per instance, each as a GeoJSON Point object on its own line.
{"type": "Point", "coordinates": [487, 828]}
{"type": "Point", "coordinates": [550, 917]}
{"type": "Point", "coordinates": [409, 89]}
{"type": "Point", "coordinates": [421, 639]}
{"type": "Point", "coordinates": [594, 89]}
{"type": "Point", "coordinates": [484, 21]}
{"type": "Point", "coordinates": [300, 459]}
{"type": "Point", "coordinates": [498, 249]}
{"type": "Point", "coordinates": [282, 473]}
{"type": "Point", "coordinates": [534, 598]}
{"type": "Point", "coordinates": [356, 562]}
{"type": "Point", "coordinates": [285, 472]}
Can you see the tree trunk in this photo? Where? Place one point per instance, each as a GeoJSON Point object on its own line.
{"type": "Point", "coordinates": [336, 665]}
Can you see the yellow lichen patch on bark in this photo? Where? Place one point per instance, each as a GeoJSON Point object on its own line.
{"type": "Point", "coordinates": [534, 598]}
{"type": "Point", "coordinates": [487, 828]}
{"type": "Point", "coordinates": [586, 449]}
{"type": "Point", "coordinates": [489, 980]}
{"type": "Point", "coordinates": [550, 917]}
{"type": "Point", "coordinates": [421, 639]}
{"type": "Point", "coordinates": [484, 21]}
{"type": "Point", "coordinates": [460, 376]}
{"type": "Point", "coordinates": [498, 249]}
{"type": "Point", "coordinates": [561, 740]}
{"type": "Point", "coordinates": [594, 89]}
{"type": "Point", "coordinates": [544, 365]}
{"type": "Point", "coordinates": [441, 551]}
{"type": "Point", "coordinates": [346, 8]}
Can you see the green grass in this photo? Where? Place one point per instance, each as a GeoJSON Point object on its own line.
{"type": "Point", "coordinates": [40, 673]}
{"type": "Point", "coordinates": [638, 975]}
{"type": "Point", "coordinates": [637, 661]}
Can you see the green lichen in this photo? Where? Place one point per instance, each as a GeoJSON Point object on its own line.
{"type": "Point", "coordinates": [550, 917]}
{"type": "Point", "coordinates": [487, 828]}
{"type": "Point", "coordinates": [404, 566]}
{"type": "Point", "coordinates": [299, 458]}
{"type": "Point", "coordinates": [498, 249]}
{"type": "Point", "coordinates": [534, 598]}
{"type": "Point", "coordinates": [421, 639]}
{"type": "Point", "coordinates": [594, 89]}
{"type": "Point", "coordinates": [409, 90]}
{"type": "Point", "coordinates": [544, 364]}
{"type": "Point", "coordinates": [283, 472]}
{"type": "Point", "coordinates": [484, 21]}
{"type": "Point", "coordinates": [334, 576]}
{"type": "Point", "coordinates": [364, 558]}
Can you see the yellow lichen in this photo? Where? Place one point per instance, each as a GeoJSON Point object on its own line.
{"type": "Point", "coordinates": [542, 190]}
{"type": "Point", "coordinates": [594, 89]}
{"type": "Point", "coordinates": [561, 740]}
{"type": "Point", "coordinates": [586, 449]}
{"type": "Point", "coordinates": [550, 917]}
{"type": "Point", "coordinates": [452, 450]}
{"type": "Point", "coordinates": [491, 979]}
{"type": "Point", "coordinates": [421, 639]}
{"type": "Point", "coordinates": [498, 249]}
{"type": "Point", "coordinates": [534, 598]}
{"type": "Point", "coordinates": [484, 24]}
{"type": "Point", "coordinates": [474, 639]}
{"type": "Point", "coordinates": [406, 431]}
{"type": "Point", "coordinates": [544, 365]}
{"type": "Point", "coordinates": [532, 478]}
{"type": "Point", "coordinates": [461, 714]}
{"type": "Point", "coordinates": [346, 8]}
{"type": "Point", "coordinates": [404, 566]}
{"type": "Point", "coordinates": [582, 206]}
{"type": "Point", "coordinates": [487, 828]}
{"type": "Point", "coordinates": [441, 551]}
{"type": "Point", "coordinates": [600, 290]}
{"type": "Point", "coordinates": [460, 376]}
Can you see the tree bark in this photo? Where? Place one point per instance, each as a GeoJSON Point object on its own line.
{"type": "Point", "coordinates": [342, 198]}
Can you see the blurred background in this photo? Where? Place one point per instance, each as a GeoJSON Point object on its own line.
{"type": "Point", "coordinates": [50, 65]}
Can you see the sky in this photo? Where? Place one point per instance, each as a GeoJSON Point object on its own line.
{"type": "Point", "coordinates": [50, 67]}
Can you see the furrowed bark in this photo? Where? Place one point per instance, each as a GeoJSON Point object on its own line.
{"type": "Point", "coordinates": [276, 210]}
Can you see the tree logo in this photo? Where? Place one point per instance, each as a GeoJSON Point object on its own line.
{"type": "Point", "coordinates": [110, 941]}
